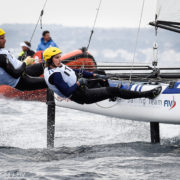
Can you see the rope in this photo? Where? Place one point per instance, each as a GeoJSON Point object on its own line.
{"type": "Point", "coordinates": [109, 107]}
{"type": "Point", "coordinates": [39, 19]}
{"type": "Point", "coordinates": [137, 37]}
{"type": "Point", "coordinates": [103, 107]}
{"type": "Point", "coordinates": [92, 31]}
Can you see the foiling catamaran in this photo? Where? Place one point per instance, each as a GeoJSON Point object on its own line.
{"type": "Point", "coordinates": [135, 77]}
{"type": "Point", "coordinates": [165, 108]}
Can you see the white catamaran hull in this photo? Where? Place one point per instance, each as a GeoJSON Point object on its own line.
{"type": "Point", "coordinates": [165, 108]}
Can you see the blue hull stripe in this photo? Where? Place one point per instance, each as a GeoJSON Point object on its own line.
{"type": "Point", "coordinates": [174, 90]}
{"type": "Point", "coordinates": [140, 88]}
{"type": "Point", "coordinates": [136, 88]}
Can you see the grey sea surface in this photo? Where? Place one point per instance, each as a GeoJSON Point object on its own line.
{"type": "Point", "coordinates": [87, 146]}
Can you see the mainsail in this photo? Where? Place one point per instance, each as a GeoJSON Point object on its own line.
{"type": "Point", "coordinates": [168, 15]}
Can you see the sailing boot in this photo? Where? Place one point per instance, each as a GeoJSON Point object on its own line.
{"type": "Point", "coordinates": [152, 93]}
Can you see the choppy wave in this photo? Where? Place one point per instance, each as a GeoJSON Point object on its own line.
{"type": "Point", "coordinates": [87, 146]}
{"type": "Point", "coordinates": [89, 152]}
{"type": "Point", "coordinates": [108, 161]}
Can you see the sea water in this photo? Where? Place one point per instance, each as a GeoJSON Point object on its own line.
{"type": "Point", "coordinates": [87, 146]}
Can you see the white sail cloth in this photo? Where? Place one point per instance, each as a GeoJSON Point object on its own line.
{"type": "Point", "coordinates": [168, 10]}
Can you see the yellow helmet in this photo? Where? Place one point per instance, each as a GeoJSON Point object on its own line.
{"type": "Point", "coordinates": [49, 52]}
{"type": "Point", "coordinates": [2, 32]}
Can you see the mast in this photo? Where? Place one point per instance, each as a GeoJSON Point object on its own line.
{"type": "Point", "coordinates": [167, 15]}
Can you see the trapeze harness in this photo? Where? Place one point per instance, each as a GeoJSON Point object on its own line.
{"type": "Point", "coordinates": [13, 73]}
{"type": "Point", "coordinates": [62, 80]}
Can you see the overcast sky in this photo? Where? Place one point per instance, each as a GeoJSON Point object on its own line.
{"type": "Point", "coordinates": [113, 13]}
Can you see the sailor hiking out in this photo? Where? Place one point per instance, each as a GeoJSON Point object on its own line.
{"type": "Point", "coordinates": [64, 82]}
{"type": "Point", "coordinates": [13, 72]}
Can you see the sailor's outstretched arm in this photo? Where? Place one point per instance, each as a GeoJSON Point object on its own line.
{"type": "Point", "coordinates": [9, 68]}
{"type": "Point", "coordinates": [85, 74]}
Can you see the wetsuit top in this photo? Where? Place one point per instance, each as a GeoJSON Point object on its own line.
{"type": "Point", "coordinates": [62, 80]}
{"type": "Point", "coordinates": [8, 74]}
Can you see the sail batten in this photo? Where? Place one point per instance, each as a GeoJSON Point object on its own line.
{"type": "Point", "coordinates": [168, 10]}
{"type": "Point", "coordinates": [167, 15]}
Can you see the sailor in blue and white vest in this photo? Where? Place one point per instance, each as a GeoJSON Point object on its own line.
{"type": "Point", "coordinates": [12, 71]}
{"type": "Point", "coordinates": [64, 82]}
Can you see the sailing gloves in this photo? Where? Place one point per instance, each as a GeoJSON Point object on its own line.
{"type": "Point", "coordinates": [101, 76]}
{"type": "Point", "coordinates": [29, 61]}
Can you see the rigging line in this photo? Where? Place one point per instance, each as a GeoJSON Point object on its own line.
{"type": "Point", "coordinates": [92, 31]}
{"type": "Point", "coordinates": [137, 38]}
{"type": "Point", "coordinates": [39, 19]}
{"type": "Point", "coordinates": [155, 46]}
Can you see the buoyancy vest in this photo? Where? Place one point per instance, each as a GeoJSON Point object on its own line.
{"type": "Point", "coordinates": [68, 76]}
{"type": "Point", "coordinates": [5, 78]}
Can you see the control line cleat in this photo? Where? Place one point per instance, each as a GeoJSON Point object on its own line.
{"type": "Point", "coordinates": [155, 92]}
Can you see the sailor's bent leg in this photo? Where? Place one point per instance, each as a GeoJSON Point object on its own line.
{"type": "Point", "coordinates": [28, 83]}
